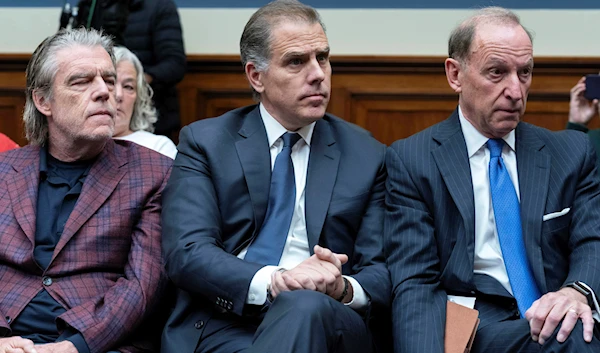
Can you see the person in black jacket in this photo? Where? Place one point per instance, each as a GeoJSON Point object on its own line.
{"type": "Point", "coordinates": [153, 33]}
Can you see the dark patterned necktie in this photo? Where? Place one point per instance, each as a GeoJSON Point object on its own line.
{"type": "Point", "coordinates": [268, 246]}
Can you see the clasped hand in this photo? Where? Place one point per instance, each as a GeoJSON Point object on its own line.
{"type": "Point", "coordinates": [16, 344]}
{"type": "Point", "coordinates": [321, 272]}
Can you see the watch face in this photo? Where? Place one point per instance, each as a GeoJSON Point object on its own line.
{"type": "Point", "coordinates": [580, 288]}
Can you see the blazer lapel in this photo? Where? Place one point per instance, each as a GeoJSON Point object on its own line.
{"type": "Point", "coordinates": [24, 189]}
{"type": "Point", "coordinates": [533, 166]}
{"type": "Point", "coordinates": [453, 163]}
{"type": "Point", "coordinates": [254, 155]}
{"type": "Point", "coordinates": [322, 173]}
{"type": "Point", "coordinates": [101, 181]}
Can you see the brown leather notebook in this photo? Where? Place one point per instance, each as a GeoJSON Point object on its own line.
{"type": "Point", "coordinates": [461, 327]}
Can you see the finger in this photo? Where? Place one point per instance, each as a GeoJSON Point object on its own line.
{"type": "Point", "coordinates": [28, 346]}
{"type": "Point", "coordinates": [556, 314]}
{"type": "Point", "coordinates": [15, 350]}
{"type": "Point", "coordinates": [568, 323]}
{"type": "Point", "coordinates": [297, 281]}
{"type": "Point", "coordinates": [290, 282]}
{"type": "Point", "coordinates": [277, 284]}
{"type": "Point", "coordinates": [318, 276]}
{"type": "Point", "coordinates": [538, 317]}
{"type": "Point", "coordinates": [578, 90]}
{"type": "Point", "coordinates": [534, 327]}
{"type": "Point", "coordinates": [588, 324]}
{"type": "Point", "coordinates": [342, 257]}
{"type": "Point", "coordinates": [322, 272]}
{"type": "Point", "coordinates": [325, 254]}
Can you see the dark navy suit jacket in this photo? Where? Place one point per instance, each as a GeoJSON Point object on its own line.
{"type": "Point", "coordinates": [216, 200]}
{"type": "Point", "coordinates": [430, 224]}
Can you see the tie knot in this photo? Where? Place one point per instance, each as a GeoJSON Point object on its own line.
{"type": "Point", "coordinates": [290, 139]}
{"type": "Point", "coordinates": [495, 147]}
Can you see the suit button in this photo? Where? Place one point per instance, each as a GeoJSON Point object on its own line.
{"type": "Point", "coordinates": [229, 306]}
{"type": "Point", "coordinates": [47, 281]}
{"type": "Point", "coordinates": [8, 319]}
{"type": "Point", "coordinates": [199, 324]}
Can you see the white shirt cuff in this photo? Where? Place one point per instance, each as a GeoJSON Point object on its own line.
{"type": "Point", "coordinates": [257, 293]}
{"type": "Point", "coordinates": [360, 299]}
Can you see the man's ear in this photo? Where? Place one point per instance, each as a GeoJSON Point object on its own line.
{"type": "Point", "coordinates": [254, 77]}
{"type": "Point", "coordinates": [453, 71]}
{"type": "Point", "coordinates": [41, 103]}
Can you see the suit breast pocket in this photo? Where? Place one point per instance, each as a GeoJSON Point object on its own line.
{"type": "Point", "coordinates": [555, 232]}
{"type": "Point", "coordinates": [556, 224]}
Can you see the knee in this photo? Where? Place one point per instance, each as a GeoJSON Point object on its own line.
{"type": "Point", "coordinates": [305, 303]}
{"type": "Point", "coordinates": [575, 341]}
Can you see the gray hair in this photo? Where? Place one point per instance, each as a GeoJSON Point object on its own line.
{"type": "Point", "coordinates": [144, 113]}
{"type": "Point", "coordinates": [41, 72]}
{"type": "Point", "coordinates": [462, 36]}
{"type": "Point", "coordinates": [255, 44]}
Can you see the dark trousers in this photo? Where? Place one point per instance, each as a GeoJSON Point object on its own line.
{"type": "Point", "coordinates": [298, 322]}
{"type": "Point", "coordinates": [512, 336]}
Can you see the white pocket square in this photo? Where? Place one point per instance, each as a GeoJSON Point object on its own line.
{"type": "Point", "coordinates": [552, 215]}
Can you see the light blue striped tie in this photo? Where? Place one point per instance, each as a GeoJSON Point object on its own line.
{"type": "Point", "coordinates": [507, 213]}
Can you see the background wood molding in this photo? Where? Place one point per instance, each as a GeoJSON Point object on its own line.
{"type": "Point", "coordinates": [393, 97]}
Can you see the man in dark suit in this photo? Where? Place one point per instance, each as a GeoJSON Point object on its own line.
{"type": "Point", "coordinates": [276, 246]}
{"type": "Point", "coordinates": [80, 262]}
{"type": "Point", "coordinates": [491, 209]}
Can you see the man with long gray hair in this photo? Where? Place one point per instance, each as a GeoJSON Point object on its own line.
{"type": "Point", "coordinates": [500, 214]}
{"type": "Point", "coordinates": [273, 214]}
{"type": "Point", "coordinates": [79, 213]}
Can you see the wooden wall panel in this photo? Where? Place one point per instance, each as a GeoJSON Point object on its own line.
{"type": "Point", "coordinates": [11, 112]}
{"type": "Point", "coordinates": [393, 97]}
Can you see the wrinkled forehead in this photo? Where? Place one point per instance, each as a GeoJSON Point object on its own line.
{"type": "Point", "coordinates": [508, 40]}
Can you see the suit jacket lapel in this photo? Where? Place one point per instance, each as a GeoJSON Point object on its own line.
{"type": "Point", "coordinates": [24, 190]}
{"type": "Point", "coordinates": [101, 181]}
{"type": "Point", "coordinates": [253, 152]}
{"type": "Point", "coordinates": [452, 160]}
{"type": "Point", "coordinates": [533, 166]}
{"type": "Point", "coordinates": [322, 173]}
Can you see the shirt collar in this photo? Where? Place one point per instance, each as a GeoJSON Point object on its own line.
{"type": "Point", "coordinates": [475, 140]}
{"type": "Point", "coordinates": [275, 130]}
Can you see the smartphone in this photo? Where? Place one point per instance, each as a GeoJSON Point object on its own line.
{"type": "Point", "coordinates": [592, 87]}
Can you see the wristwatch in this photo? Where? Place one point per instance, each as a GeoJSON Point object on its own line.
{"type": "Point", "coordinates": [583, 289]}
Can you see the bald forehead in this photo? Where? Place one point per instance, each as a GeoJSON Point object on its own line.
{"type": "Point", "coordinates": [503, 36]}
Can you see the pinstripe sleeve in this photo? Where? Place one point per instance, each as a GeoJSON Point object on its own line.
{"type": "Point", "coordinates": [584, 241]}
{"type": "Point", "coordinates": [419, 305]}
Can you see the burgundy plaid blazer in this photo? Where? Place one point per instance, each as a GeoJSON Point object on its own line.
{"type": "Point", "coordinates": [106, 269]}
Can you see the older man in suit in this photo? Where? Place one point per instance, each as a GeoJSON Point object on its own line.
{"type": "Point", "coordinates": [80, 262]}
{"type": "Point", "coordinates": [485, 206]}
{"type": "Point", "coordinates": [273, 216]}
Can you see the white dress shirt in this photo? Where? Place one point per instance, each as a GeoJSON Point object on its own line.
{"type": "Point", "coordinates": [488, 255]}
{"type": "Point", "coordinates": [296, 245]}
